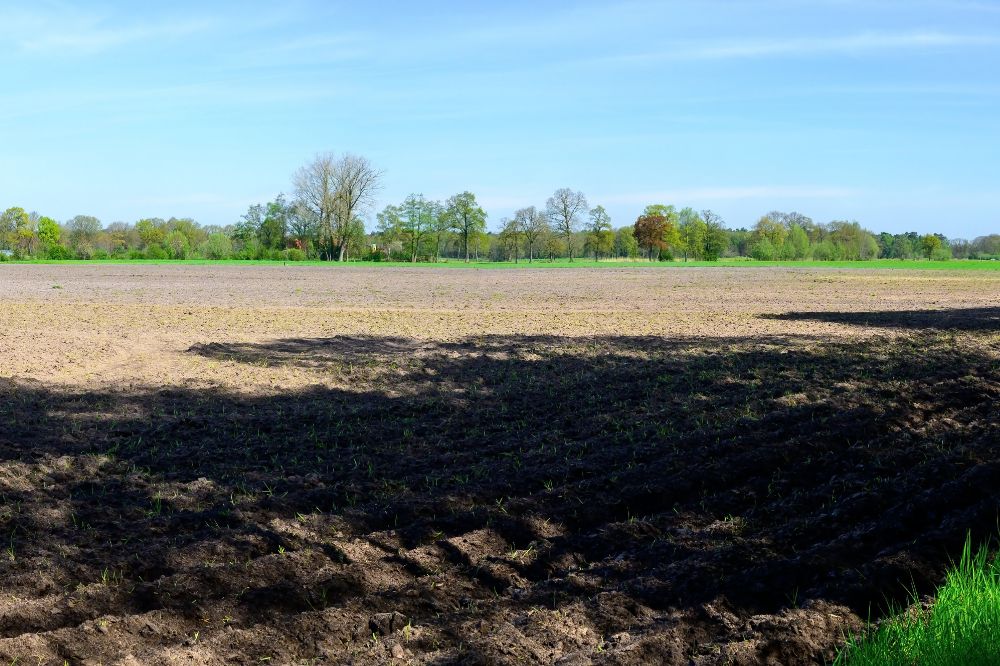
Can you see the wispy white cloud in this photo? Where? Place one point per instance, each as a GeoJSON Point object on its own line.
{"type": "Point", "coordinates": [731, 193]}
{"type": "Point", "coordinates": [154, 100]}
{"type": "Point", "coordinates": [98, 39]}
{"type": "Point", "coordinates": [60, 30]}
{"type": "Point", "coordinates": [497, 201]}
{"type": "Point", "coordinates": [195, 198]}
{"type": "Point", "coordinates": [846, 45]}
{"type": "Point", "coordinates": [308, 50]}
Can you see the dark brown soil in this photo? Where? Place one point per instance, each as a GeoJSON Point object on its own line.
{"type": "Point", "coordinates": [501, 499]}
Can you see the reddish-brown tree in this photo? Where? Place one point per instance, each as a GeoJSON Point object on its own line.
{"type": "Point", "coordinates": [650, 230]}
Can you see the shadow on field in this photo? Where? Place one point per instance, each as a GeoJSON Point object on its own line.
{"type": "Point", "coordinates": [468, 483]}
{"type": "Point", "coordinates": [956, 319]}
{"type": "Point", "coordinates": [311, 351]}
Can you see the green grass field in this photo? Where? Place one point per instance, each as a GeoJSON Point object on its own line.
{"type": "Point", "coordinates": [955, 264]}
{"type": "Point", "coordinates": [961, 628]}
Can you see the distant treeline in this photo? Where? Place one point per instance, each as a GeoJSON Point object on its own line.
{"type": "Point", "coordinates": [323, 220]}
{"type": "Point", "coordinates": [415, 231]}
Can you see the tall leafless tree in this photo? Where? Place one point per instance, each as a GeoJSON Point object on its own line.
{"type": "Point", "coordinates": [358, 182]}
{"type": "Point", "coordinates": [315, 187]}
{"type": "Point", "coordinates": [333, 191]}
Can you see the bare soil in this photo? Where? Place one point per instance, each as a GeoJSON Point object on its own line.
{"type": "Point", "coordinates": [304, 465]}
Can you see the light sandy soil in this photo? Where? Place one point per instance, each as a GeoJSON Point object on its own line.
{"type": "Point", "coordinates": [132, 323]}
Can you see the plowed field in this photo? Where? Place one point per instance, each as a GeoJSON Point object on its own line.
{"type": "Point", "coordinates": [310, 465]}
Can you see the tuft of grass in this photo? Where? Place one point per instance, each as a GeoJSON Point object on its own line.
{"type": "Point", "coordinates": [962, 625]}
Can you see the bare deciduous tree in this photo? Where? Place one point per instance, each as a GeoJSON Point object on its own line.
{"type": "Point", "coordinates": [357, 183]}
{"type": "Point", "coordinates": [533, 226]}
{"type": "Point", "coordinates": [564, 209]}
{"type": "Point", "coordinates": [334, 191]}
{"type": "Point", "coordinates": [315, 187]}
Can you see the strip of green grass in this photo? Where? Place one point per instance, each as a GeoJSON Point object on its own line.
{"type": "Point", "coordinates": [956, 264]}
{"type": "Point", "coordinates": [962, 626]}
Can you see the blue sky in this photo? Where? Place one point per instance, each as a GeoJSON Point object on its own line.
{"type": "Point", "coordinates": [884, 112]}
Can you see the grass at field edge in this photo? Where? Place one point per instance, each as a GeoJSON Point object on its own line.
{"type": "Point", "coordinates": [961, 627]}
{"type": "Point", "coordinates": [955, 264]}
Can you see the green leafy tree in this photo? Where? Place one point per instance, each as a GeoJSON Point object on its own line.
{"type": "Point", "coordinates": [764, 250]}
{"type": "Point", "coordinates": [985, 247]}
{"type": "Point", "coordinates": [771, 230]}
{"type": "Point", "coordinates": [600, 239]}
{"type": "Point", "coordinates": [929, 244]}
{"type": "Point", "coordinates": [83, 231]}
{"type": "Point", "coordinates": [625, 243]}
{"type": "Point", "coordinates": [12, 221]}
{"type": "Point", "coordinates": [418, 223]}
{"type": "Point", "coordinates": [151, 232]}
{"type": "Point", "coordinates": [355, 239]}
{"type": "Point", "coordinates": [715, 240]}
{"type": "Point", "coordinates": [484, 243]}
{"type": "Point", "coordinates": [59, 252]}
{"type": "Point", "coordinates": [511, 234]}
{"type": "Point", "coordinates": [553, 245]}
{"type": "Point", "coordinates": [467, 219]}
{"type": "Point", "coordinates": [797, 243]}
{"type": "Point", "coordinates": [905, 246]}
{"type": "Point", "coordinates": [740, 241]}
{"type": "Point", "coordinates": [825, 250]}
{"type": "Point", "coordinates": [25, 242]}
{"type": "Point", "coordinates": [869, 247]}
{"type": "Point", "coordinates": [440, 227]}
{"type": "Point", "coordinates": [178, 245]}
{"type": "Point", "coordinates": [852, 242]}
{"type": "Point", "coordinates": [120, 237]}
{"type": "Point", "coordinates": [885, 245]}
{"type": "Point", "coordinates": [244, 233]}
{"type": "Point", "coordinates": [216, 246]}
{"type": "Point", "coordinates": [389, 229]}
{"type": "Point", "coordinates": [193, 232]}
{"type": "Point", "coordinates": [788, 219]}
{"type": "Point", "coordinates": [156, 252]}
{"type": "Point", "coordinates": [49, 232]}
{"type": "Point", "coordinates": [302, 228]}
{"type": "Point", "coordinates": [691, 229]}
{"type": "Point", "coordinates": [273, 229]}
